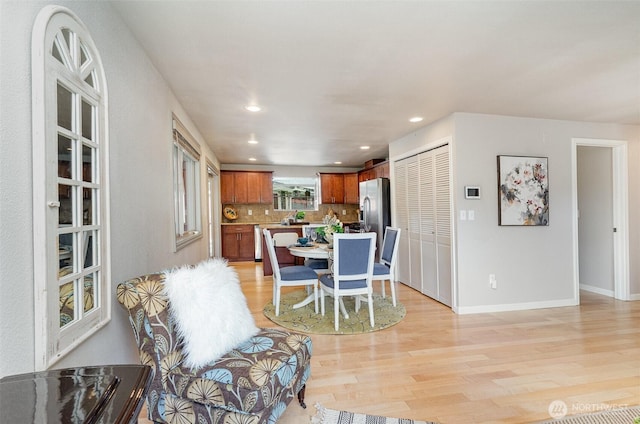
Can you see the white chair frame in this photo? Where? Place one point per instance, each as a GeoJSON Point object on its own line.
{"type": "Point", "coordinates": [340, 281]}
{"type": "Point", "coordinates": [279, 282]}
{"type": "Point", "coordinates": [389, 262]}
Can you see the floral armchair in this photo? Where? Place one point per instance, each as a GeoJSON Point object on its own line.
{"type": "Point", "coordinates": [251, 384]}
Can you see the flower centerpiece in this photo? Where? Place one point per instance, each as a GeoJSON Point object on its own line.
{"type": "Point", "coordinates": [331, 225]}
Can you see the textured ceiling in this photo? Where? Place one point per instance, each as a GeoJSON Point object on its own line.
{"type": "Point", "coordinates": [334, 75]}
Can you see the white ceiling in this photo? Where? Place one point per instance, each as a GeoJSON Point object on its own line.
{"type": "Point", "coordinates": [334, 75]}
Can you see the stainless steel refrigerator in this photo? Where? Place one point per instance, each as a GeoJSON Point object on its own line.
{"type": "Point", "coordinates": [375, 208]}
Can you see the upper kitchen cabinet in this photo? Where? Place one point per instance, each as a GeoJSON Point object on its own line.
{"type": "Point", "coordinates": [339, 188]}
{"type": "Point", "coordinates": [379, 170]}
{"type": "Point", "coordinates": [260, 187]}
{"type": "Point", "coordinates": [351, 188]}
{"type": "Point", "coordinates": [331, 188]}
{"type": "Point", "coordinates": [245, 187]}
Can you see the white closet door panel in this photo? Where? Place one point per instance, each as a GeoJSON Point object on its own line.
{"type": "Point", "coordinates": [426, 194]}
{"type": "Point", "coordinates": [403, 264]}
{"type": "Point", "coordinates": [444, 274]}
{"type": "Point", "coordinates": [413, 209]}
{"type": "Point", "coordinates": [415, 264]}
{"type": "Point", "coordinates": [413, 201]}
{"type": "Point", "coordinates": [443, 223]}
{"type": "Point", "coordinates": [402, 221]}
{"type": "Point", "coordinates": [429, 269]}
{"type": "Point", "coordinates": [442, 192]}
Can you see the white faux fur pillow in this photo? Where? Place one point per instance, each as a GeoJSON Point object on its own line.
{"type": "Point", "coordinates": [209, 309]}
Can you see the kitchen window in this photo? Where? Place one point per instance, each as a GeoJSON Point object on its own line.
{"type": "Point", "coordinates": [295, 193]}
{"type": "Point", "coordinates": [70, 195]}
{"type": "Point", "coordinates": [186, 186]}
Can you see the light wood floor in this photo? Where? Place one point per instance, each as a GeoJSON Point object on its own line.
{"type": "Point", "coordinates": [484, 368]}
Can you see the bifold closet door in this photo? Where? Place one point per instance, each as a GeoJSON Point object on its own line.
{"type": "Point", "coordinates": [423, 211]}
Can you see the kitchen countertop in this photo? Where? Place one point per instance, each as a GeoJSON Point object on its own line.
{"type": "Point", "coordinates": [265, 224]}
{"type": "Point", "coordinates": [277, 224]}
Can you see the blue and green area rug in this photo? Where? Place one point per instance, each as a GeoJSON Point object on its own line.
{"type": "Point", "coordinates": [305, 319]}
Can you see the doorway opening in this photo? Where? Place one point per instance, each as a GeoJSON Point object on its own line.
{"type": "Point", "coordinates": [616, 213]}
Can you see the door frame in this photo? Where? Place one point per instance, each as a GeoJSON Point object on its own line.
{"type": "Point", "coordinates": [620, 214]}
{"type": "Point", "coordinates": [213, 209]}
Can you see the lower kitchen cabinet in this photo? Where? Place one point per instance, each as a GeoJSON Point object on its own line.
{"type": "Point", "coordinates": [238, 243]}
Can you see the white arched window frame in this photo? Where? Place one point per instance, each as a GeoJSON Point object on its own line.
{"type": "Point", "coordinates": [70, 193]}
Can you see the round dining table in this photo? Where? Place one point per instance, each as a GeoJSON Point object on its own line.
{"type": "Point", "coordinates": [312, 251]}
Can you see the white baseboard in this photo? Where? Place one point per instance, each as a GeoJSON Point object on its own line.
{"type": "Point", "coordinates": [597, 290]}
{"type": "Point", "coordinates": [515, 306]}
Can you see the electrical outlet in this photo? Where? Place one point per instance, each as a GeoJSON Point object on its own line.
{"type": "Point", "coordinates": [250, 212]}
{"type": "Point", "coordinates": [266, 211]}
{"type": "Point", "coordinates": [492, 281]}
{"type": "Point", "coordinates": [344, 211]}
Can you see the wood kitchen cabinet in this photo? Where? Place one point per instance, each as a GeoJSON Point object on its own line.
{"type": "Point", "coordinates": [351, 188]}
{"type": "Point", "coordinates": [339, 188]}
{"type": "Point", "coordinates": [380, 170]}
{"type": "Point", "coordinates": [238, 243]}
{"type": "Point", "coordinates": [331, 188]}
{"type": "Point", "coordinates": [260, 187]}
{"type": "Point", "coordinates": [245, 187]}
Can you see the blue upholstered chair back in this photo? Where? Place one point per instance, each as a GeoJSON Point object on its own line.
{"type": "Point", "coordinates": [389, 244]}
{"type": "Point", "coordinates": [353, 256]}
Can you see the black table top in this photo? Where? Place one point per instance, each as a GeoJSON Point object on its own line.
{"type": "Point", "coordinates": [97, 394]}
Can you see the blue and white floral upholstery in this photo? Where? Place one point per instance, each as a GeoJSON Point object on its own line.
{"type": "Point", "coordinates": [251, 384]}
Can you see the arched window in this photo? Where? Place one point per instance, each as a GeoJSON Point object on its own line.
{"type": "Point", "coordinates": [71, 255]}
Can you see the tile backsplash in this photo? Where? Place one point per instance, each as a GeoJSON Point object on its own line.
{"type": "Point", "coordinates": [258, 215]}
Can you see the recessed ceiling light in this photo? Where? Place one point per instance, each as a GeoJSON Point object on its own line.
{"type": "Point", "coordinates": [253, 141]}
{"type": "Point", "coordinates": [416, 119]}
{"type": "Point", "coordinates": [252, 159]}
{"type": "Point", "coordinates": [337, 163]}
{"type": "Point", "coordinates": [364, 147]}
{"type": "Point", "coordinates": [253, 108]}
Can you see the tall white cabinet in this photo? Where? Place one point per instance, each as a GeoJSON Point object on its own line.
{"type": "Point", "coordinates": [422, 187]}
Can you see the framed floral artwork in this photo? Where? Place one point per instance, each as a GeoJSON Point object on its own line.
{"type": "Point", "coordinates": [523, 190]}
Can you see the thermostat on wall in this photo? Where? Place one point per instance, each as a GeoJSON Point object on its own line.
{"type": "Point", "coordinates": [472, 192]}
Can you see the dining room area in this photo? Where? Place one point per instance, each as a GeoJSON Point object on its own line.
{"type": "Point", "coordinates": [335, 271]}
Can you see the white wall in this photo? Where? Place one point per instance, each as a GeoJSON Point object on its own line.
{"type": "Point", "coordinates": [533, 265]}
{"type": "Point", "coordinates": [595, 223]}
{"type": "Point", "coordinates": [140, 109]}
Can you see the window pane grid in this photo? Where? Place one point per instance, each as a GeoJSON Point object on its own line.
{"type": "Point", "coordinates": [68, 75]}
{"type": "Point", "coordinates": [78, 154]}
{"type": "Point", "coordinates": [186, 168]}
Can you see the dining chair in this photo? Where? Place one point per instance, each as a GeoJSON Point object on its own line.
{"type": "Point", "coordinates": [295, 275]}
{"type": "Point", "coordinates": [353, 258]}
{"type": "Point", "coordinates": [320, 266]}
{"type": "Point", "coordinates": [385, 268]}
